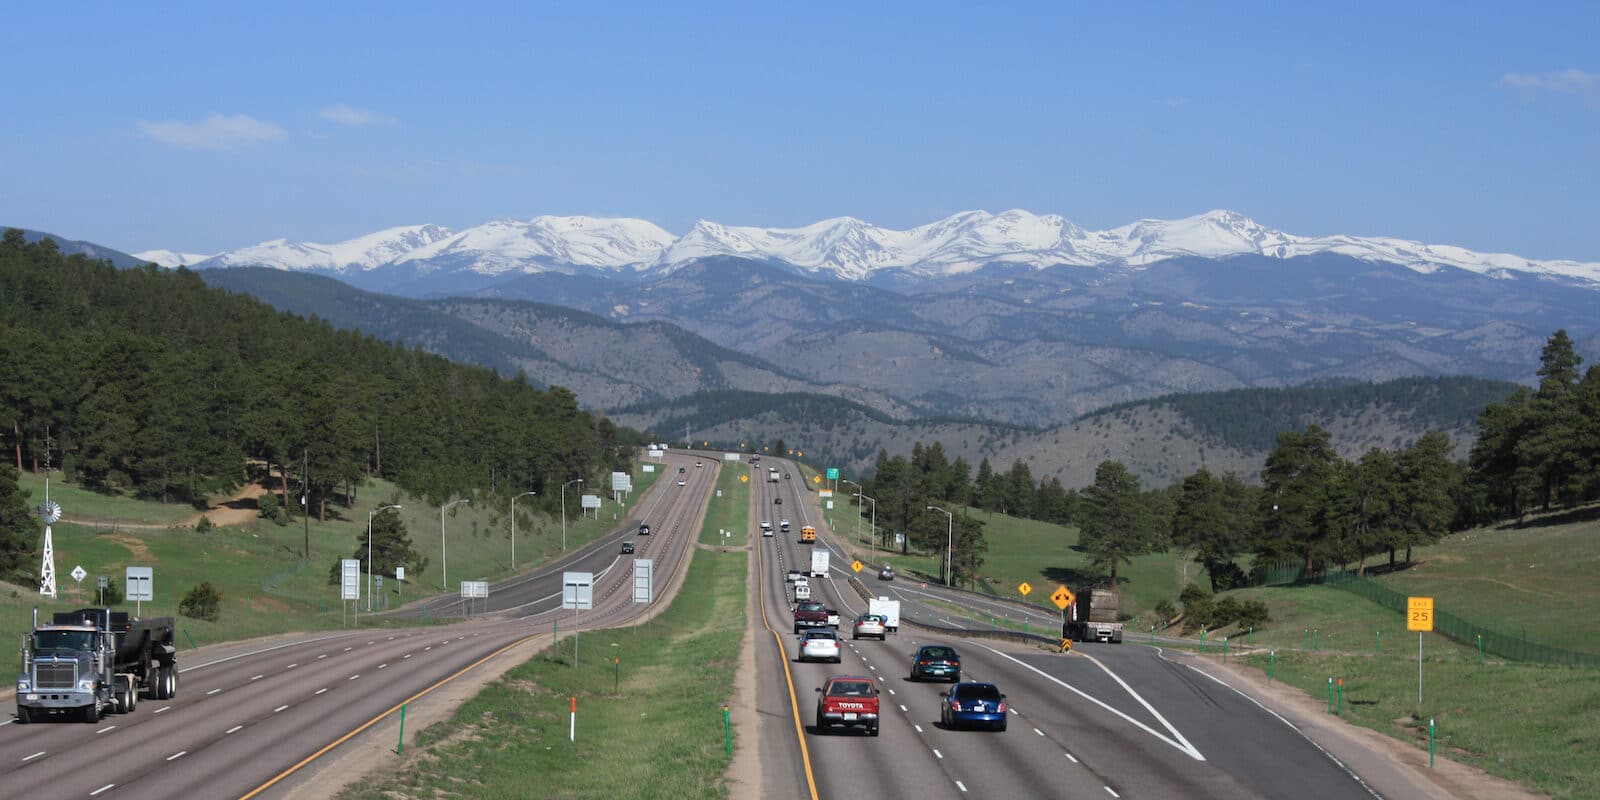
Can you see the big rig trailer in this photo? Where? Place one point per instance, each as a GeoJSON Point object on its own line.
{"type": "Point", "coordinates": [94, 660]}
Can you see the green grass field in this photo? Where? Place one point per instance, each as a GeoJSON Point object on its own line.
{"type": "Point", "coordinates": [649, 725]}
{"type": "Point", "coordinates": [238, 559]}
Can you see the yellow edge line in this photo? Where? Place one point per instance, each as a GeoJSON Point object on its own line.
{"type": "Point", "coordinates": [375, 720]}
{"type": "Point", "coordinates": [794, 703]}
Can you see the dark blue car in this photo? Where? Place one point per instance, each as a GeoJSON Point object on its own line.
{"type": "Point", "coordinates": [973, 704]}
{"type": "Point", "coordinates": [936, 661]}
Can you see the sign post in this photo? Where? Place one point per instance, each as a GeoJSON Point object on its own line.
{"type": "Point", "coordinates": [577, 593]}
{"type": "Point", "coordinates": [1419, 618]}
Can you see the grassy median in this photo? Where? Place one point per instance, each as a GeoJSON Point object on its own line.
{"type": "Point", "coordinates": [650, 701]}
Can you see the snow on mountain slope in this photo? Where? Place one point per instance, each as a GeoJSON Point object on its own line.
{"type": "Point", "coordinates": [169, 258]}
{"type": "Point", "coordinates": [853, 250]}
{"type": "Point", "coordinates": [510, 245]}
{"type": "Point", "coordinates": [361, 253]}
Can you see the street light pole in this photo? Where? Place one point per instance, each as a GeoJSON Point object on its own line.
{"type": "Point", "coordinates": [858, 505]}
{"type": "Point", "coordinates": [949, 539]}
{"type": "Point", "coordinates": [874, 516]}
{"type": "Point", "coordinates": [370, 514]}
{"type": "Point", "coordinates": [564, 511]}
{"type": "Point", "coordinates": [514, 527]}
{"type": "Point", "coordinates": [444, 558]}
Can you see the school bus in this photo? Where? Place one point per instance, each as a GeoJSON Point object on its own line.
{"type": "Point", "coordinates": [808, 535]}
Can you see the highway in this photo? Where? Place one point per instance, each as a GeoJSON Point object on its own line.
{"type": "Point", "coordinates": [250, 718]}
{"type": "Point", "coordinates": [1107, 721]}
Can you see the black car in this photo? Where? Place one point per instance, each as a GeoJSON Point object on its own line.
{"type": "Point", "coordinates": [777, 501]}
{"type": "Point", "coordinates": [644, 530]}
{"type": "Point", "coordinates": [627, 547]}
{"type": "Point", "coordinates": [936, 661]}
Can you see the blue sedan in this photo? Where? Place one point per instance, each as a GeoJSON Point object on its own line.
{"type": "Point", "coordinates": [973, 704]}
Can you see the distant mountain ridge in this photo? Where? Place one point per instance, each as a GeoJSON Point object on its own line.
{"type": "Point", "coordinates": [849, 249]}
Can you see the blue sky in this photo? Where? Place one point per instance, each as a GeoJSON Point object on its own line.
{"type": "Point", "coordinates": [211, 126]}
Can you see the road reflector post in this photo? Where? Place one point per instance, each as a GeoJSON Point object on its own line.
{"type": "Point", "coordinates": [1377, 643]}
{"type": "Point", "coordinates": [572, 726]}
{"type": "Point", "coordinates": [1315, 647]}
{"type": "Point", "coordinates": [727, 732]}
{"type": "Point", "coordinates": [1272, 663]}
{"type": "Point", "coordinates": [400, 746]}
{"type": "Point", "coordinates": [1202, 640]}
{"type": "Point", "coordinates": [1341, 697]}
{"type": "Point", "coordinates": [1330, 694]}
{"type": "Point", "coordinates": [1480, 649]}
{"type": "Point", "coordinates": [1430, 742]}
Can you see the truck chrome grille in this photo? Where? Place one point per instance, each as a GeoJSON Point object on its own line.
{"type": "Point", "coordinates": [55, 676]}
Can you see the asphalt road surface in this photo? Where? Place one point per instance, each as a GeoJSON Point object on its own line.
{"type": "Point", "coordinates": [242, 721]}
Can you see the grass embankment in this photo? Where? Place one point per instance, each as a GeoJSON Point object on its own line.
{"type": "Point", "coordinates": [265, 587]}
{"type": "Point", "coordinates": [649, 725]}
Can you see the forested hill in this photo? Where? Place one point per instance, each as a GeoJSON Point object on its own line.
{"type": "Point", "coordinates": [149, 381]}
{"type": "Point", "coordinates": [1251, 419]}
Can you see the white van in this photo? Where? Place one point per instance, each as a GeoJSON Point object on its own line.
{"type": "Point", "coordinates": [802, 591]}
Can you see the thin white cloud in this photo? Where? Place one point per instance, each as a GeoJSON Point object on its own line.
{"type": "Point", "coordinates": [355, 117]}
{"type": "Point", "coordinates": [215, 132]}
{"type": "Point", "coordinates": [1567, 81]}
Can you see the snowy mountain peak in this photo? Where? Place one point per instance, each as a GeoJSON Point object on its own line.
{"type": "Point", "coordinates": [169, 258]}
{"type": "Point", "coordinates": [361, 253]}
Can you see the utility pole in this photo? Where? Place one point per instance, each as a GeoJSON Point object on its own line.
{"type": "Point", "coordinates": [305, 498]}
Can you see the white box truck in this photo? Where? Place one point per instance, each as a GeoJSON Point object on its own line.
{"type": "Point", "coordinates": [888, 609]}
{"type": "Point", "coordinates": [819, 563]}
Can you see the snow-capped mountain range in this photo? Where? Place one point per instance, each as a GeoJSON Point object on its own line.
{"type": "Point", "coordinates": [847, 248]}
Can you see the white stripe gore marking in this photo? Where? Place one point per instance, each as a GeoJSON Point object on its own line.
{"type": "Point", "coordinates": [279, 708]}
{"type": "Point", "coordinates": [1185, 747]}
{"type": "Point", "coordinates": [32, 757]}
{"type": "Point", "coordinates": [177, 755]}
{"type": "Point", "coordinates": [320, 691]}
{"type": "Point", "coordinates": [1111, 792]}
{"type": "Point", "coordinates": [234, 729]}
{"type": "Point", "coordinates": [937, 754]}
{"type": "Point", "coordinates": [961, 786]}
{"type": "Point", "coordinates": [161, 709]}
{"type": "Point", "coordinates": [1147, 706]}
{"type": "Point", "coordinates": [106, 728]}
{"type": "Point", "coordinates": [101, 789]}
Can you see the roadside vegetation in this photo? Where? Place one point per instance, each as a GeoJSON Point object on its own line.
{"type": "Point", "coordinates": [650, 701]}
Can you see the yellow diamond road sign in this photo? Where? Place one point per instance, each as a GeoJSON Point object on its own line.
{"type": "Point", "coordinates": [1024, 588]}
{"type": "Point", "coordinates": [744, 478]}
{"type": "Point", "coordinates": [1419, 613]}
{"type": "Point", "coordinates": [856, 566]}
{"type": "Point", "coordinates": [816, 479]}
{"type": "Point", "coordinates": [1062, 598]}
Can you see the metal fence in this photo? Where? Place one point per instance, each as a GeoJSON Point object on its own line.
{"type": "Point", "coordinates": [1514, 648]}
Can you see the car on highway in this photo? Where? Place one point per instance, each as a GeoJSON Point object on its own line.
{"type": "Point", "coordinates": [968, 705]}
{"type": "Point", "coordinates": [802, 591]}
{"type": "Point", "coordinates": [936, 661]}
{"type": "Point", "coordinates": [870, 625]}
{"type": "Point", "coordinates": [833, 619]}
{"type": "Point", "coordinates": [681, 470]}
{"type": "Point", "coordinates": [850, 701]}
{"type": "Point", "coordinates": [777, 501]}
{"type": "Point", "coordinates": [766, 528]}
{"type": "Point", "coordinates": [644, 529]}
{"type": "Point", "coordinates": [698, 465]}
{"type": "Point", "coordinates": [886, 574]}
{"type": "Point", "coordinates": [784, 526]}
{"type": "Point", "coordinates": [794, 575]}
{"type": "Point", "coordinates": [627, 547]}
{"type": "Point", "coordinates": [680, 482]}
{"type": "Point", "coordinates": [786, 476]}
{"type": "Point", "coordinates": [820, 644]}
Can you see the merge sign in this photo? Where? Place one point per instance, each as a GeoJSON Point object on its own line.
{"type": "Point", "coordinates": [1063, 597]}
{"type": "Point", "coordinates": [643, 582]}
{"type": "Point", "coordinates": [140, 584]}
{"type": "Point", "coordinates": [1419, 613]}
{"type": "Point", "coordinates": [349, 579]}
{"type": "Point", "coordinates": [577, 591]}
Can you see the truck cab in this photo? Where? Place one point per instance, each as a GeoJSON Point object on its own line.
{"type": "Point", "coordinates": [91, 661]}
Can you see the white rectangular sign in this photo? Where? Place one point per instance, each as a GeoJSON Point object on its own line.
{"type": "Point", "coordinates": [140, 584]}
{"type": "Point", "coordinates": [620, 482]}
{"type": "Point", "coordinates": [400, 574]}
{"type": "Point", "coordinates": [591, 501]}
{"type": "Point", "coordinates": [474, 589]}
{"type": "Point", "coordinates": [825, 493]}
{"type": "Point", "coordinates": [830, 505]}
{"type": "Point", "coordinates": [648, 467]}
{"type": "Point", "coordinates": [730, 456]}
{"type": "Point", "coordinates": [643, 582]}
{"type": "Point", "coordinates": [349, 579]}
{"type": "Point", "coordinates": [577, 590]}
{"type": "Point", "coordinates": [657, 453]}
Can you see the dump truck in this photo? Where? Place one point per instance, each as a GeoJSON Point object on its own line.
{"type": "Point", "coordinates": [1092, 617]}
{"type": "Point", "coordinates": [94, 660]}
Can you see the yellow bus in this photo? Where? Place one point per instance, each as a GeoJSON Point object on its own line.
{"type": "Point", "coordinates": [808, 535]}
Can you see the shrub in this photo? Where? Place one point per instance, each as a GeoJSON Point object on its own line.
{"type": "Point", "coordinates": [202, 602]}
{"type": "Point", "coordinates": [205, 525]}
{"type": "Point", "coordinates": [1227, 575]}
{"type": "Point", "coordinates": [112, 594]}
{"type": "Point", "coordinates": [1191, 593]}
{"type": "Point", "coordinates": [1165, 610]}
{"type": "Point", "coordinates": [271, 509]}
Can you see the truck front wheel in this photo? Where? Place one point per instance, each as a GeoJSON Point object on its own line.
{"type": "Point", "coordinates": [24, 715]}
{"type": "Point", "coordinates": [90, 713]}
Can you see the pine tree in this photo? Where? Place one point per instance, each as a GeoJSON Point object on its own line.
{"type": "Point", "coordinates": [1116, 526]}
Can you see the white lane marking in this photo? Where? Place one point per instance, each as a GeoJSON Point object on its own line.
{"type": "Point", "coordinates": [426, 649]}
{"type": "Point", "coordinates": [1331, 757]}
{"type": "Point", "coordinates": [869, 666]}
{"type": "Point", "coordinates": [348, 649]}
{"type": "Point", "coordinates": [32, 757]}
{"type": "Point", "coordinates": [407, 655]}
{"type": "Point", "coordinates": [161, 709]}
{"type": "Point", "coordinates": [1185, 747]}
{"type": "Point", "coordinates": [234, 729]}
{"type": "Point", "coordinates": [279, 708]}
{"type": "Point", "coordinates": [1147, 706]}
{"type": "Point", "coordinates": [381, 666]}
{"type": "Point", "coordinates": [257, 677]}
{"type": "Point", "coordinates": [372, 642]}
{"type": "Point", "coordinates": [891, 691]}
{"type": "Point", "coordinates": [177, 755]}
{"type": "Point", "coordinates": [106, 728]}
{"type": "Point", "coordinates": [918, 727]}
{"type": "Point", "coordinates": [291, 666]}
{"type": "Point", "coordinates": [390, 639]}
{"type": "Point", "coordinates": [937, 753]}
{"type": "Point", "coordinates": [1036, 730]}
{"type": "Point", "coordinates": [255, 653]}
{"type": "Point", "coordinates": [1111, 792]}
{"type": "Point", "coordinates": [1069, 756]}
{"type": "Point", "coordinates": [353, 677]}
{"type": "Point", "coordinates": [212, 692]}
{"type": "Point", "coordinates": [324, 655]}
{"type": "Point", "coordinates": [903, 708]}
{"type": "Point", "coordinates": [961, 786]}
{"type": "Point", "coordinates": [101, 789]}
{"type": "Point", "coordinates": [319, 691]}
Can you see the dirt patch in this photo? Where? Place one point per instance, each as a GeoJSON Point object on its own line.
{"type": "Point", "coordinates": [136, 547]}
{"type": "Point", "coordinates": [240, 509]}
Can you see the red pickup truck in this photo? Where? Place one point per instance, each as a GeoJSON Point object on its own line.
{"type": "Point", "coordinates": [810, 614]}
{"type": "Point", "coordinates": [850, 701]}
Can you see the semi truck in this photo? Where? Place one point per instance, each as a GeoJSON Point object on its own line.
{"type": "Point", "coordinates": [888, 609]}
{"type": "Point", "coordinates": [819, 563]}
{"type": "Point", "coordinates": [92, 661]}
{"type": "Point", "coordinates": [1092, 617]}
{"type": "Point", "coordinates": [772, 474]}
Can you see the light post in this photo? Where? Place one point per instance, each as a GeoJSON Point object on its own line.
{"type": "Point", "coordinates": [370, 514]}
{"type": "Point", "coordinates": [949, 552]}
{"type": "Point", "coordinates": [514, 528]}
{"type": "Point", "coordinates": [444, 558]}
{"type": "Point", "coordinates": [858, 505]}
{"type": "Point", "coordinates": [874, 517]}
{"type": "Point", "coordinates": [564, 511]}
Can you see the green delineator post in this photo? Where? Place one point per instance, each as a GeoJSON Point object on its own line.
{"type": "Point", "coordinates": [1430, 742]}
{"type": "Point", "coordinates": [727, 732]}
{"type": "Point", "coordinates": [1225, 649]}
{"type": "Point", "coordinates": [1377, 643]}
{"type": "Point", "coordinates": [1330, 694]}
{"type": "Point", "coordinates": [1308, 639]}
{"type": "Point", "coordinates": [400, 746]}
{"type": "Point", "coordinates": [1272, 663]}
{"type": "Point", "coordinates": [1341, 697]}
{"type": "Point", "coordinates": [1202, 640]}
{"type": "Point", "coordinates": [1480, 649]}
{"type": "Point", "coordinates": [1314, 646]}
